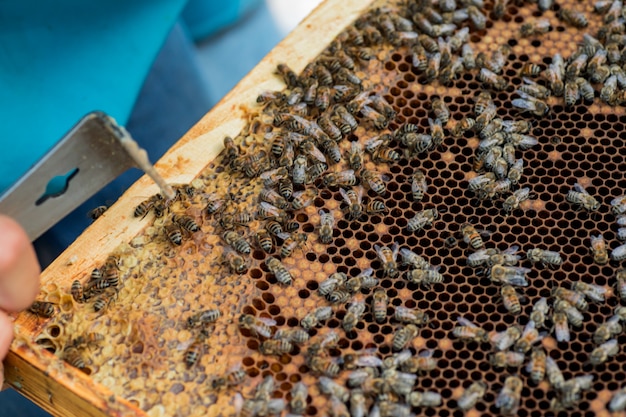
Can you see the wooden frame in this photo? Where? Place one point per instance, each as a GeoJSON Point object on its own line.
{"type": "Point", "coordinates": [42, 377]}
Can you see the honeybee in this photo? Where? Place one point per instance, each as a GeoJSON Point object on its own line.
{"type": "Point", "coordinates": [521, 141]}
{"type": "Point", "coordinates": [515, 171]}
{"type": "Point", "coordinates": [353, 199]}
{"type": "Point", "coordinates": [618, 207]}
{"type": "Point", "coordinates": [479, 182]}
{"type": "Point", "coordinates": [424, 399]}
{"type": "Point", "coordinates": [540, 312]}
{"type": "Point", "coordinates": [407, 315]}
{"type": "Point", "coordinates": [509, 397]}
{"type": "Point", "coordinates": [599, 249]}
{"type": "Point", "coordinates": [73, 356]}
{"type": "Point", "coordinates": [362, 280]}
{"type": "Point", "coordinates": [512, 275]}
{"type": "Point", "coordinates": [358, 405]}
{"type": "Point", "coordinates": [291, 242]}
{"type": "Point", "coordinates": [299, 394]}
{"type": "Point", "coordinates": [102, 302]}
{"type": "Point", "coordinates": [511, 299]}
{"type": "Point", "coordinates": [388, 258]}
{"type": "Point", "coordinates": [275, 347]}
{"type": "Point", "coordinates": [580, 197]}
{"type": "Point", "coordinates": [194, 352]}
{"type": "Point", "coordinates": [186, 222]}
{"type": "Point", "coordinates": [505, 339]}
{"type": "Point", "coordinates": [422, 219]}
{"type": "Point", "coordinates": [433, 64]}
{"type": "Point", "coordinates": [410, 258]}
{"type": "Point", "coordinates": [492, 79]}
{"type": "Point", "coordinates": [374, 181]}
{"type": "Point", "coordinates": [259, 326]}
{"type": "Point", "coordinates": [355, 156]}
{"type": "Point", "coordinates": [619, 253]}
{"type": "Point", "coordinates": [42, 308]}
{"type": "Point", "coordinates": [573, 17]}
{"type": "Point", "coordinates": [379, 120]}
{"type": "Point", "coordinates": [593, 292]}
{"type": "Point", "coordinates": [607, 330]}
{"type": "Point", "coordinates": [575, 298]}
{"type": "Point", "coordinates": [467, 53]}
{"type": "Point", "coordinates": [462, 126]}
{"type": "Point", "coordinates": [313, 318]}
{"type": "Point", "coordinates": [476, 17]}
{"type": "Point", "coordinates": [266, 210]}
{"type": "Point", "coordinates": [533, 105]}
{"type": "Point", "coordinates": [546, 257]}
{"type": "Point", "coordinates": [425, 276]}
{"type": "Point", "coordinates": [436, 132]}
{"type": "Point", "coordinates": [621, 233]}
{"type": "Point", "coordinates": [327, 223]}
{"type": "Point", "coordinates": [87, 339]}
{"type": "Point", "coordinates": [289, 77]}
{"type": "Point", "coordinates": [342, 178]}
{"type": "Point", "coordinates": [346, 119]}
{"type": "Point", "coordinates": [237, 242]}
{"type": "Point", "coordinates": [535, 28]}
{"type": "Point", "coordinates": [95, 213]}
{"type": "Point", "coordinates": [336, 280]}
{"type": "Point", "coordinates": [471, 395]}
{"type": "Point", "coordinates": [338, 296]}
{"type": "Point", "coordinates": [573, 315]}
{"type": "Point", "coordinates": [143, 208]}
{"type": "Point", "coordinates": [330, 387]}
{"type": "Point", "coordinates": [537, 365]}
{"type": "Point", "coordinates": [555, 376]}
{"type": "Point", "coordinates": [560, 325]}
{"type": "Point", "coordinates": [620, 284]}
{"type": "Point", "coordinates": [532, 89]}
{"type": "Point", "coordinates": [506, 359]}
{"type": "Point", "coordinates": [469, 332]}
{"type": "Point", "coordinates": [277, 268]}
{"type": "Point", "coordinates": [514, 200]}
{"type": "Point", "coordinates": [203, 318]}
{"type": "Point", "coordinates": [472, 236]}
{"type": "Point", "coordinates": [403, 336]}
{"type": "Point", "coordinates": [603, 352]}
{"type": "Point", "coordinates": [555, 73]}
{"type": "Point", "coordinates": [302, 199]}
{"type": "Point", "coordinates": [270, 178]}
{"type": "Point", "coordinates": [77, 291]}
{"type": "Point", "coordinates": [297, 336]}
{"type": "Point", "coordinates": [379, 305]}
{"type": "Point", "coordinates": [572, 93]}
{"type": "Point", "coordinates": [353, 314]}
{"type": "Point", "coordinates": [264, 240]}
{"type": "Point", "coordinates": [440, 111]}
{"type": "Point", "coordinates": [618, 401]}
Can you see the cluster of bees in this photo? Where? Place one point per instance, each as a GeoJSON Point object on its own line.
{"type": "Point", "coordinates": [312, 142]}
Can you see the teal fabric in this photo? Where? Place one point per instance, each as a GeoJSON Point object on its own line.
{"type": "Point", "coordinates": [62, 59]}
{"type": "Point", "coordinates": [203, 18]}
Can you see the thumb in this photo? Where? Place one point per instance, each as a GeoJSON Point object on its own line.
{"type": "Point", "coordinates": [19, 269]}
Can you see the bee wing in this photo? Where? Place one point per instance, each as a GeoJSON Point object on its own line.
{"type": "Point", "coordinates": [283, 235]}
{"type": "Point", "coordinates": [367, 272]}
{"type": "Point", "coordinates": [619, 252]}
{"type": "Point", "coordinates": [426, 353]}
{"type": "Point", "coordinates": [541, 304]}
{"type": "Point", "coordinates": [501, 340]}
{"type": "Point", "coordinates": [395, 248]}
{"type": "Point", "coordinates": [379, 252]}
{"type": "Point", "coordinates": [268, 321]}
{"type": "Point", "coordinates": [523, 104]}
{"type": "Point", "coordinates": [465, 322]}
{"type": "Point", "coordinates": [369, 361]}
{"type": "Point", "coordinates": [517, 281]}
{"type": "Point", "coordinates": [580, 188]}
{"type": "Point", "coordinates": [618, 200]}
{"type": "Point", "coordinates": [528, 81]}
{"type": "Point", "coordinates": [529, 366]}
{"type": "Point", "coordinates": [561, 331]}
{"type": "Point", "coordinates": [345, 196]}
{"type": "Point", "coordinates": [273, 210]}
{"type": "Point", "coordinates": [530, 326]}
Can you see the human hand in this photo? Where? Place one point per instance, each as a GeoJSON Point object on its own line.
{"type": "Point", "coordinates": [19, 279]}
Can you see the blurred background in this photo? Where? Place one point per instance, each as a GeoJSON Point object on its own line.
{"type": "Point", "coordinates": [211, 47]}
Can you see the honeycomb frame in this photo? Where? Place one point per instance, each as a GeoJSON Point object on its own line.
{"type": "Point", "coordinates": [545, 222]}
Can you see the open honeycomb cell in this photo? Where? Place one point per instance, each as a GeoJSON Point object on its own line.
{"type": "Point", "coordinates": [144, 323]}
